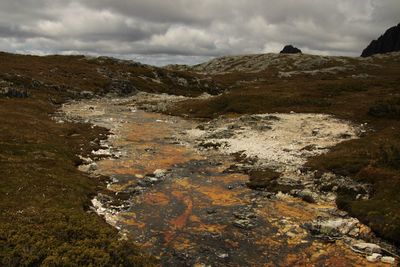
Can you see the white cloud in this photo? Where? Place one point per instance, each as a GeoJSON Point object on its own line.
{"type": "Point", "coordinates": [189, 30]}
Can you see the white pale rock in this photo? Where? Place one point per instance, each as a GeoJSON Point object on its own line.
{"type": "Point", "coordinates": [159, 173]}
{"type": "Point", "coordinates": [374, 257]}
{"type": "Point", "coordinates": [367, 247]}
{"type": "Point", "coordinates": [389, 260]}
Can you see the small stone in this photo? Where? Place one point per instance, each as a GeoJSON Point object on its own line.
{"type": "Point", "coordinates": [152, 180]}
{"type": "Point", "coordinates": [243, 223]}
{"type": "Point", "coordinates": [387, 259]}
{"type": "Point", "coordinates": [308, 196]}
{"type": "Point", "coordinates": [291, 234]}
{"type": "Point", "coordinates": [315, 132]}
{"type": "Point", "coordinates": [211, 211]}
{"type": "Point", "coordinates": [374, 257]}
{"type": "Point", "coordinates": [159, 173]}
{"type": "Point", "coordinates": [223, 255]}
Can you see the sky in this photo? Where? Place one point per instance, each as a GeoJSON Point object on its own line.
{"type": "Point", "coordinates": [161, 32]}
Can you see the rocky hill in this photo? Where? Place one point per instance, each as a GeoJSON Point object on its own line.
{"type": "Point", "coordinates": [87, 76]}
{"type": "Point", "coordinates": [282, 65]}
{"type": "Point", "coordinates": [388, 42]}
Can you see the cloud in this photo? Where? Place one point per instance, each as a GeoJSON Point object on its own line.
{"type": "Point", "coordinates": [187, 31]}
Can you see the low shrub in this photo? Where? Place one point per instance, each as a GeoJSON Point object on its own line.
{"type": "Point", "coordinates": [389, 109]}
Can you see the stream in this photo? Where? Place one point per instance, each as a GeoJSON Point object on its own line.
{"type": "Point", "coordinates": [180, 203]}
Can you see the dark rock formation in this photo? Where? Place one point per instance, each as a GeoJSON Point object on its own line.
{"type": "Point", "coordinates": [122, 87]}
{"type": "Point", "coordinates": [290, 49]}
{"type": "Point", "coordinates": [388, 42]}
{"type": "Point", "coordinates": [13, 93]}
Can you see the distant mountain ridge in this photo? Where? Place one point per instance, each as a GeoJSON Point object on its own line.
{"type": "Point", "coordinates": [388, 42]}
{"type": "Point", "coordinates": [282, 64]}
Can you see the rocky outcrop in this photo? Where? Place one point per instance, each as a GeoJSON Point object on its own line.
{"type": "Point", "coordinates": [7, 89]}
{"type": "Point", "coordinates": [290, 49]}
{"type": "Point", "coordinates": [388, 42]}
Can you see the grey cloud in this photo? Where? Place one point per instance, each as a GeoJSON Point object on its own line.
{"type": "Point", "coordinates": [187, 31]}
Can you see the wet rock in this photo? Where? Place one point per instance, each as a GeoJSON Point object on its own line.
{"type": "Point", "coordinates": [91, 167]}
{"type": "Point", "coordinates": [223, 134]}
{"type": "Point", "coordinates": [243, 224]}
{"type": "Point", "coordinates": [337, 227]}
{"type": "Point", "coordinates": [134, 190]}
{"type": "Point", "coordinates": [329, 182]}
{"type": "Point", "coordinates": [143, 183]}
{"type": "Point", "coordinates": [102, 152]}
{"type": "Point", "coordinates": [367, 247]}
{"type": "Point", "coordinates": [85, 160]}
{"type": "Point", "coordinates": [246, 215]}
{"type": "Point", "coordinates": [211, 210]}
{"type": "Point", "coordinates": [245, 218]}
{"type": "Point", "coordinates": [375, 257]}
{"type": "Point", "coordinates": [160, 173]}
{"type": "Point", "coordinates": [209, 145]}
{"type": "Point", "coordinates": [389, 260]}
{"type": "Point", "coordinates": [307, 195]}
{"type": "Point", "coordinates": [148, 181]}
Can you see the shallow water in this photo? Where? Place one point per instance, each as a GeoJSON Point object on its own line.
{"type": "Point", "coordinates": [197, 214]}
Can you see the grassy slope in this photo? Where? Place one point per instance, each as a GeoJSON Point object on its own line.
{"type": "Point", "coordinates": [375, 158]}
{"type": "Point", "coordinates": [43, 196]}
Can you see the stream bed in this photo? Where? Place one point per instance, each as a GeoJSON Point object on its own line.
{"type": "Point", "coordinates": [187, 207]}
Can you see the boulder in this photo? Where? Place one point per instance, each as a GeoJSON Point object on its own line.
{"type": "Point", "coordinates": [367, 247]}
{"type": "Point", "coordinates": [337, 227]}
{"type": "Point", "coordinates": [388, 42]}
{"type": "Point", "coordinates": [290, 49]}
{"type": "Point", "coordinates": [374, 257]}
{"type": "Point", "coordinates": [389, 260]}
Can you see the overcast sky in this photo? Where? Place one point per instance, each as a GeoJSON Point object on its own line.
{"type": "Point", "coordinates": [190, 31]}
